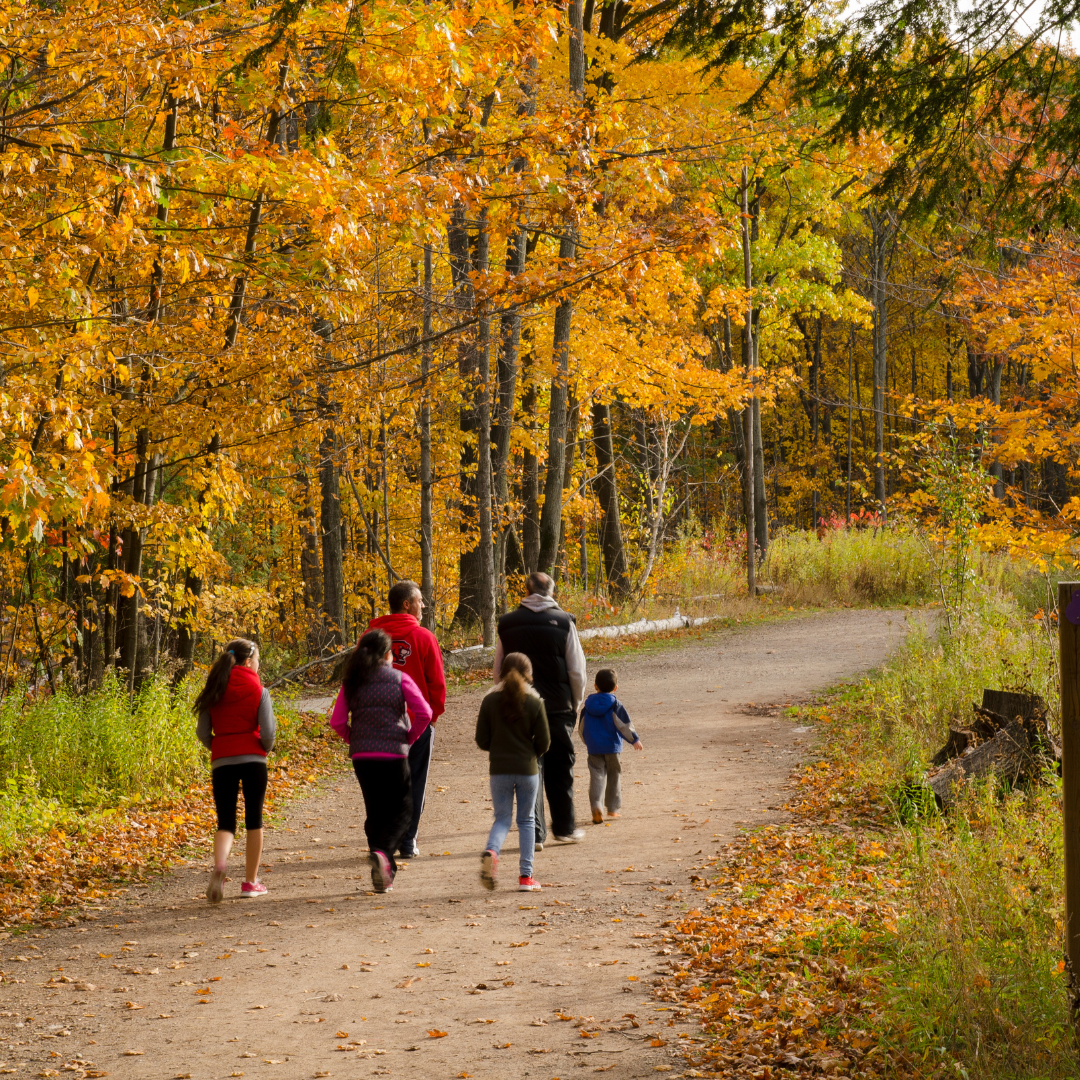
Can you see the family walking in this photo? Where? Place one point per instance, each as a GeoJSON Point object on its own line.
{"type": "Point", "coordinates": [393, 692]}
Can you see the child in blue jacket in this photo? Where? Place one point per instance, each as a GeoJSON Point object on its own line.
{"type": "Point", "coordinates": [605, 723]}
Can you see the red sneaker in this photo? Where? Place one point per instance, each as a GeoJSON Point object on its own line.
{"type": "Point", "coordinates": [489, 868]}
{"type": "Point", "coordinates": [252, 888]}
{"type": "Point", "coordinates": [528, 884]}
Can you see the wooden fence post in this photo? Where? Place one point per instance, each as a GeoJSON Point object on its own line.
{"type": "Point", "coordinates": [1069, 638]}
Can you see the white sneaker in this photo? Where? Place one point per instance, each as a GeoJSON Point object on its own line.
{"type": "Point", "coordinates": [538, 846]}
{"type": "Point", "coordinates": [575, 837]}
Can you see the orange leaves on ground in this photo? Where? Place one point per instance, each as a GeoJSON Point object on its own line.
{"type": "Point", "coordinates": [767, 967]}
{"type": "Point", "coordinates": [436, 1034]}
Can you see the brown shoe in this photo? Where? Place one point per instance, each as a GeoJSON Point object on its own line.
{"type": "Point", "coordinates": [597, 817]}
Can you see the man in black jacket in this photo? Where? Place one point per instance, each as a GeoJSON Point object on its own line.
{"type": "Point", "coordinates": [548, 636]}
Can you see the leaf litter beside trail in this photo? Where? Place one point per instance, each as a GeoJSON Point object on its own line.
{"type": "Point", "coordinates": [770, 965]}
{"type": "Point", "coordinates": [64, 870]}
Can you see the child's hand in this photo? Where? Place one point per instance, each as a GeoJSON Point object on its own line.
{"type": "Point", "coordinates": [639, 745]}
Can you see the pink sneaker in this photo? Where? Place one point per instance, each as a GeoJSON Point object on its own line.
{"type": "Point", "coordinates": [382, 877]}
{"type": "Point", "coordinates": [216, 889]}
{"type": "Point", "coordinates": [489, 867]}
{"type": "Point", "coordinates": [253, 888]}
{"type": "Point", "coordinates": [528, 884]}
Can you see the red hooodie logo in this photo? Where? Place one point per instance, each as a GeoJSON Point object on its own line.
{"type": "Point", "coordinates": [401, 651]}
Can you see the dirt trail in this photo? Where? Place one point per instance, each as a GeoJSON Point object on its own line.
{"type": "Point", "coordinates": [322, 979]}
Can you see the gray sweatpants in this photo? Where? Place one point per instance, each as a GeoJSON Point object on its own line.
{"type": "Point", "coordinates": [605, 781]}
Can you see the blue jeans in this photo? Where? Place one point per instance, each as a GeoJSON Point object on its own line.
{"type": "Point", "coordinates": [503, 788]}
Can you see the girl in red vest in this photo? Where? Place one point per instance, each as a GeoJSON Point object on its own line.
{"type": "Point", "coordinates": [236, 724]}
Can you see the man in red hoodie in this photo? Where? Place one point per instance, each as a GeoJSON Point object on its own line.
{"type": "Point", "coordinates": [416, 652]}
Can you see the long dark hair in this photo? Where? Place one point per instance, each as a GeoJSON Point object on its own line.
{"type": "Point", "coordinates": [517, 675]}
{"type": "Point", "coordinates": [236, 652]}
{"type": "Point", "coordinates": [365, 660]}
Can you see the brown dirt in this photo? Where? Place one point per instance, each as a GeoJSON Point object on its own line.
{"type": "Point", "coordinates": [322, 978]}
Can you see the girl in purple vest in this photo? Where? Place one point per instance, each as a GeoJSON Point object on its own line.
{"type": "Point", "coordinates": [236, 724]}
{"type": "Point", "coordinates": [372, 715]}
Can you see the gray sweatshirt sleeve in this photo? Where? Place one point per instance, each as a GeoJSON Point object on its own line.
{"type": "Point", "coordinates": [267, 722]}
{"type": "Point", "coordinates": [575, 666]}
{"type": "Point", "coordinates": [623, 725]}
{"type": "Point", "coordinates": [204, 729]}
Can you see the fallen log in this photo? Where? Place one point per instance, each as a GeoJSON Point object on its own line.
{"type": "Point", "coordinates": [1008, 755]}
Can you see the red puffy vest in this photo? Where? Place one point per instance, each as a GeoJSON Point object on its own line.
{"type": "Point", "coordinates": [235, 718]}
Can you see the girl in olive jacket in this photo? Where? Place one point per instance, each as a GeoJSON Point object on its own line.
{"type": "Point", "coordinates": [513, 728]}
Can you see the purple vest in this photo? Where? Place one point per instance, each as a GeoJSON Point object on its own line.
{"type": "Point", "coordinates": [379, 723]}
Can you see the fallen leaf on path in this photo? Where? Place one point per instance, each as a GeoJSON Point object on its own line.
{"type": "Point", "coordinates": [427, 963]}
{"type": "Point", "coordinates": [435, 1034]}
{"type": "Point", "coordinates": [588, 1034]}
{"type": "Point", "coordinates": [518, 944]}
{"type": "Point", "coordinates": [500, 1046]}
{"type": "Point", "coordinates": [133, 1005]}
{"type": "Point", "coordinates": [133, 1053]}
{"type": "Point", "coordinates": [273, 1061]}
{"type": "Point", "coordinates": [342, 1035]}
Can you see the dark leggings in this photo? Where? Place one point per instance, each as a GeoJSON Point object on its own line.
{"type": "Point", "coordinates": [227, 781]}
{"type": "Point", "coordinates": [387, 800]}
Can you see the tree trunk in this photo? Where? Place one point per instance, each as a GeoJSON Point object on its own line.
{"type": "Point", "coordinates": [551, 513]}
{"type": "Point", "coordinates": [749, 490]}
{"type": "Point", "coordinates": [330, 520]}
{"type": "Point", "coordinates": [333, 598]}
{"type": "Point", "coordinates": [483, 451]}
{"type": "Point", "coordinates": [427, 569]}
{"type": "Point", "coordinates": [881, 236]}
{"type": "Point", "coordinates": [127, 633]}
{"type": "Point", "coordinates": [530, 490]}
{"type": "Point", "coordinates": [469, 569]}
{"type": "Point", "coordinates": [605, 484]}
{"type": "Point", "coordinates": [507, 370]}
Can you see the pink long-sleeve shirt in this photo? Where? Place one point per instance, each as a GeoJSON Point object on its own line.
{"type": "Point", "coordinates": [415, 702]}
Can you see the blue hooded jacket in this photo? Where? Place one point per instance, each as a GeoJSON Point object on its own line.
{"type": "Point", "coordinates": [598, 727]}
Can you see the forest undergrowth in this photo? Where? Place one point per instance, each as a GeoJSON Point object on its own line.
{"type": "Point", "coordinates": [869, 937]}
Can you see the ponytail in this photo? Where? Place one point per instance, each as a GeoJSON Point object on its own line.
{"type": "Point", "coordinates": [365, 660]}
{"type": "Point", "coordinates": [236, 652]}
{"type": "Point", "coordinates": [516, 678]}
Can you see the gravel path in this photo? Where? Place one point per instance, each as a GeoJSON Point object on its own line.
{"type": "Point", "coordinates": [322, 979]}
